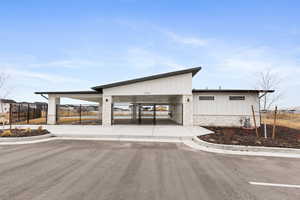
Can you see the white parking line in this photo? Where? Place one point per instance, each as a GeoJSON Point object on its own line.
{"type": "Point", "coordinates": [275, 184]}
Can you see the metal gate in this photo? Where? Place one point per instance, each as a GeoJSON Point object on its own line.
{"type": "Point", "coordinates": [28, 113]}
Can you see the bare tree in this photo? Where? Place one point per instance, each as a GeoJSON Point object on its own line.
{"type": "Point", "coordinates": [3, 85]}
{"type": "Point", "coordinates": [269, 80]}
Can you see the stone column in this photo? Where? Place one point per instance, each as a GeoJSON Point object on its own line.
{"type": "Point", "coordinates": [187, 102]}
{"type": "Point", "coordinates": [106, 110]}
{"type": "Point", "coordinates": [53, 101]}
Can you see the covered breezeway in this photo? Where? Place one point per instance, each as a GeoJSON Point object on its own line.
{"type": "Point", "coordinates": [147, 109]}
{"type": "Point", "coordinates": [88, 113]}
{"type": "Point", "coordinates": [125, 110]}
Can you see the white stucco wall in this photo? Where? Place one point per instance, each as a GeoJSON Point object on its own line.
{"type": "Point", "coordinates": [224, 112]}
{"type": "Point", "coordinates": [106, 110]}
{"type": "Point", "coordinates": [179, 84]}
{"type": "Point", "coordinates": [187, 112]}
{"type": "Point", "coordinates": [52, 102]}
{"type": "Point", "coordinates": [176, 110]}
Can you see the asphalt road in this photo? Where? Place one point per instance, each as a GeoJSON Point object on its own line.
{"type": "Point", "coordinates": [136, 171]}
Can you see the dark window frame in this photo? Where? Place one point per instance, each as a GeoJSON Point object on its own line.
{"type": "Point", "coordinates": [206, 98]}
{"type": "Point", "coordinates": [237, 98]}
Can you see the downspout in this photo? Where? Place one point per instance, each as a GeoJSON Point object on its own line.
{"type": "Point", "coordinates": [44, 96]}
{"type": "Point", "coordinates": [46, 107]}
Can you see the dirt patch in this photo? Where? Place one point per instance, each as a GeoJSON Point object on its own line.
{"type": "Point", "coordinates": [285, 137]}
{"type": "Point", "coordinates": [22, 132]}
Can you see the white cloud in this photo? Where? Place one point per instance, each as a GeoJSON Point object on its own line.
{"type": "Point", "coordinates": [143, 59]}
{"type": "Point", "coordinates": [255, 59]}
{"type": "Point", "coordinates": [243, 65]}
{"type": "Point", "coordinates": [25, 75]}
{"type": "Point", "coordinates": [29, 61]}
{"type": "Point", "coordinates": [71, 63]}
{"type": "Point", "coordinates": [186, 40]}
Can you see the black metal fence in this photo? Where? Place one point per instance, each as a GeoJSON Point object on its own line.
{"type": "Point", "coordinates": [87, 114]}
{"type": "Point", "coordinates": [28, 113]}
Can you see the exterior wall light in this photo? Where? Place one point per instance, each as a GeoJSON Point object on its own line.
{"type": "Point", "coordinates": [188, 100]}
{"type": "Point", "coordinates": [106, 100]}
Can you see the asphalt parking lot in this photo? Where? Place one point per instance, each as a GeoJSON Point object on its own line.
{"type": "Point", "coordinates": [125, 170]}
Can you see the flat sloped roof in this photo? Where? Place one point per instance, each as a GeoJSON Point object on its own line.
{"type": "Point", "coordinates": [71, 92]}
{"type": "Point", "coordinates": [148, 78]}
{"type": "Point", "coordinates": [231, 90]}
{"type": "Point", "coordinates": [7, 101]}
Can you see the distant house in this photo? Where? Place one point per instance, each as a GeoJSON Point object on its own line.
{"type": "Point", "coordinates": [4, 109]}
{"type": "Point", "coordinates": [4, 105]}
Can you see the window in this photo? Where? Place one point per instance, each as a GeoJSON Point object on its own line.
{"type": "Point", "coordinates": [207, 98]}
{"type": "Point", "coordinates": [237, 98]}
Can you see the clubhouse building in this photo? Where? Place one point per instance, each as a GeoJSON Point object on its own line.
{"type": "Point", "coordinates": [144, 100]}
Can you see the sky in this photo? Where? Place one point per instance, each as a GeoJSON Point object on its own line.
{"type": "Point", "coordinates": [74, 45]}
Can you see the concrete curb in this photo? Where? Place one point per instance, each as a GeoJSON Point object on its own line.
{"type": "Point", "coordinates": [242, 150]}
{"type": "Point", "coordinates": [246, 148]}
{"type": "Point", "coordinates": [23, 139]}
{"type": "Point", "coordinates": [119, 138]}
{"type": "Point", "coordinates": [122, 139]}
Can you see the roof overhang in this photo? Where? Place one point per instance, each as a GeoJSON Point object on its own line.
{"type": "Point", "coordinates": [232, 90]}
{"type": "Point", "coordinates": [91, 96]}
{"type": "Point", "coordinates": [194, 71]}
{"type": "Point", "coordinates": [70, 92]}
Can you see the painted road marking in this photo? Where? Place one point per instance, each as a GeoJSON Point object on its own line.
{"type": "Point", "coordinates": [275, 184]}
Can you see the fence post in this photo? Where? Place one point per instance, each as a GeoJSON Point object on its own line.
{"type": "Point", "coordinates": [56, 114]}
{"type": "Point", "coordinates": [254, 120]}
{"type": "Point", "coordinates": [10, 117]}
{"type": "Point", "coordinates": [274, 124]}
{"type": "Point", "coordinates": [19, 110]}
{"type": "Point", "coordinates": [154, 113]}
{"type": "Point", "coordinates": [28, 113]}
{"type": "Point", "coordinates": [46, 113]}
{"type": "Point", "coordinates": [80, 113]}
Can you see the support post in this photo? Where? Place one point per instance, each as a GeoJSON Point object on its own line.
{"type": "Point", "coordinates": [80, 114]}
{"type": "Point", "coordinates": [254, 120]}
{"type": "Point", "coordinates": [187, 110]}
{"type": "Point", "coordinates": [52, 113]}
{"type": "Point", "coordinates": [274, 125]}
{"type": "Point", "coordinates": [107, 110]}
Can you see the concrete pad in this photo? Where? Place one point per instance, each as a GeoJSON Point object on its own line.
{"type": "Point", "coordinates": [153, 131]}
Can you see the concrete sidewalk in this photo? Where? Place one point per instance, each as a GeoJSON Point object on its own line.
{"type": "Point", "coordinates": [154, 131]}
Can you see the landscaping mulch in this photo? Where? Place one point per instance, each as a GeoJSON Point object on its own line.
{"type": "Point", "coordinates": [285, 137]}
{"type": "Point", "coordinates": [24, 132]}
